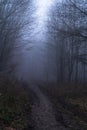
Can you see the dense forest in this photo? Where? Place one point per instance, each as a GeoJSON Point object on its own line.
{"type": "Point", "coordinates": [66, 37]}
{"type": "Point", "coordinates": [43, 65]}
{"type": "Point", "coordinates": [67, 48]}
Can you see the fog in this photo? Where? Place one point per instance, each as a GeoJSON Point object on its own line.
{"type": "Point", "coordinates": [47, 44]}
{"type": "Point", "coordinates": [31, 62]}
{"type": "Point", "coordinates": [47, 41]}
{"type": "Point", "coordinates": [43, 64]}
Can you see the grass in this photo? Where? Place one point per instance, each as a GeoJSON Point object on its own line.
{"type": "Point", "coordinates": [71, 100]}
{"type": "Point", "coordinates": [15, 104]}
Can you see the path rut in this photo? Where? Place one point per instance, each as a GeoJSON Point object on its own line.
{"type": "Point", "coordinates": [43, 113]}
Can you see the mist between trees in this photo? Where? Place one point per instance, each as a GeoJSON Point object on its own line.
{"type": "Point", "coordinates": [12, 24]}
{"type": "Point", "coordinates": [67, 46]}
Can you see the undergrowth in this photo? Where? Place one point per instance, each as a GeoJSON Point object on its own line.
{"type": "Point", "coordinates": [14, 100]}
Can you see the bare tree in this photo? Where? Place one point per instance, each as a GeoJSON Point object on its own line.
{"type": "Point", "coordinates": [69, 28]}
{"type": "Point", "coordinates": [12, 22]}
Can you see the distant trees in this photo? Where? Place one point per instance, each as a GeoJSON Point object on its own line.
{"type": "Point", "coordinates": [12, 21]}
{"type": "Point", "coordinates": [69, 28]}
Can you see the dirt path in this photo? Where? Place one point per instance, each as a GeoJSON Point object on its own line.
{"type": "Point", "coordinates": [43, 114]}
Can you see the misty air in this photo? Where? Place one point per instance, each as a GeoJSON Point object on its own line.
{"type": "Point", "coordinates": [43, 65]}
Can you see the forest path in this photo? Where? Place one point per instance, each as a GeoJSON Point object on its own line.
{"type": "Point", "coordinates": [43, 113]}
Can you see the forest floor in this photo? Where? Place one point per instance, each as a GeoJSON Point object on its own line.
{"type": "Point", "coordinates": [70, 104]}
{"type": "Point", "coordinates": [15, 105]}
{"type": "Point", "coordinates": [43, 112]}
{"type": "Point", "coordinates": [37, 107]}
